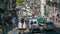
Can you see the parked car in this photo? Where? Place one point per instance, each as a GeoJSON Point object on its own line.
{"type": "Point", "coordinates": [22, 26]}
{"type": "Point", "coordinates": [41, 26]}
{"type": "Point", "coordinates": [41, 23]}
{"type": "Point", "coordinates": [35, 30]}
{"type": "Point", "coordinates": [33, 22]}
{"type": "Point", "coordinates": [49, 26]}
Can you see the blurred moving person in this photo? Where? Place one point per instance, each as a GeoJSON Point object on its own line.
{"type": "Point", "coordinates": [13, 21]}
{"type": "Point", "coordinates": [22, 24]}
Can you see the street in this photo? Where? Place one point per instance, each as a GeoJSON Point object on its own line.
{"type": "Point", "coordinates": [27, 16]}
{"type": "Point", "coordinates": [16, 31]}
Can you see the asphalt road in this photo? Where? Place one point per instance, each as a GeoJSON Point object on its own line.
{"type": "Point", "coordinates": [51, 32]}
{"type": "Point", "coordinates": [16, 31]}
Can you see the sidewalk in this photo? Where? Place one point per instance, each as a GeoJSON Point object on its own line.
{"type": "Point", "coordinates": [14, 31]}
{"type": "Point", "coordinates": [11, 30]}
{"type": "Point", "coordinates": [57, 24]}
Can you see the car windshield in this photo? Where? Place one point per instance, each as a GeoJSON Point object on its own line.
{"type": "Point", "coordinates": [31, 22]}
{"type": "Point", "coordinates": [35, 22]}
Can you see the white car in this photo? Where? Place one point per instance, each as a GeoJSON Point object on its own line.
{"type": "Point", "coordinates": [22, 26]}
{"type": "Point", "coordinates": [33, 22]}
{"type": "Point", "coordinates": [28, 7]}
{"type": "Point", "coordinates": [23, 8]}
{"type": "Point", "coordinates": [28, 10]}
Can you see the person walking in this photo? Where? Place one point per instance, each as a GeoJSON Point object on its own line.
{"type": "Point", "coordinates": [13, 21]}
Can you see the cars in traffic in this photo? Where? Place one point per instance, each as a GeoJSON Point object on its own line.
{"type": "Point", "coordinates": [41, 22]}
{"type": "Point", "coordinates": [23, 9]}
{"type": "Point", "coordinates": [35, 30]}
{"type": "Point", "coordinates": [34, 26]}
{"type": "Point", "coordinates": [33, 22]}
{"type": "Point", "coordinates": [49, 26]}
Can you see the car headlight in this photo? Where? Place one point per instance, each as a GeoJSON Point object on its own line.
{"type": "Point", "coordinates": [42, 24]}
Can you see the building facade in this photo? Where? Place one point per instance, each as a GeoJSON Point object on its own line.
{"type": "Point", "coordinates": [11, 6]}
{"type": "Point", "coordinates": [3, 5]}
{"type": "Point", "coordinates": [52, 7]}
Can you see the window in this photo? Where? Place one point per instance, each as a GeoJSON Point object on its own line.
{"type": "Point", "coordinates": [31, 23]}
{"type": "Point", "coordinates": [35, 22]}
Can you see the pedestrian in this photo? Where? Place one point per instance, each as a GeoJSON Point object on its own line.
{"type": "Point", "coordinates": [13, 21]}
{"type": "Point", "coordinates": [22, 25]}
{"type": "Point", "coordinates": [22, 20]}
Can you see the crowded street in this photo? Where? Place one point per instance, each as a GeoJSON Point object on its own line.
{"type": "Point", "coordinates": [29, 16]}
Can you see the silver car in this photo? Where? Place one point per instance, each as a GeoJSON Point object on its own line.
{"type": "Point", "coordinates": [33, 23]}
{"type": "Point", "coordinates": [49, 26]}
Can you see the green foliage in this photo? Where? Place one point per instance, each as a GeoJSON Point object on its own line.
{"type": "Point", "coordinates": [2, 10]}
{"type": "Point", "coordinates": [20, 1]}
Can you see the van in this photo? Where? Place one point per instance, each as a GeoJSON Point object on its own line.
{"type": "Point", "coordinates": [22, 26]}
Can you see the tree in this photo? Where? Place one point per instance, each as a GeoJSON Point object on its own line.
{"type": "Point", "coordinates": [2, 10]}
{"type": "Point", "coordinates": [20, 1]}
